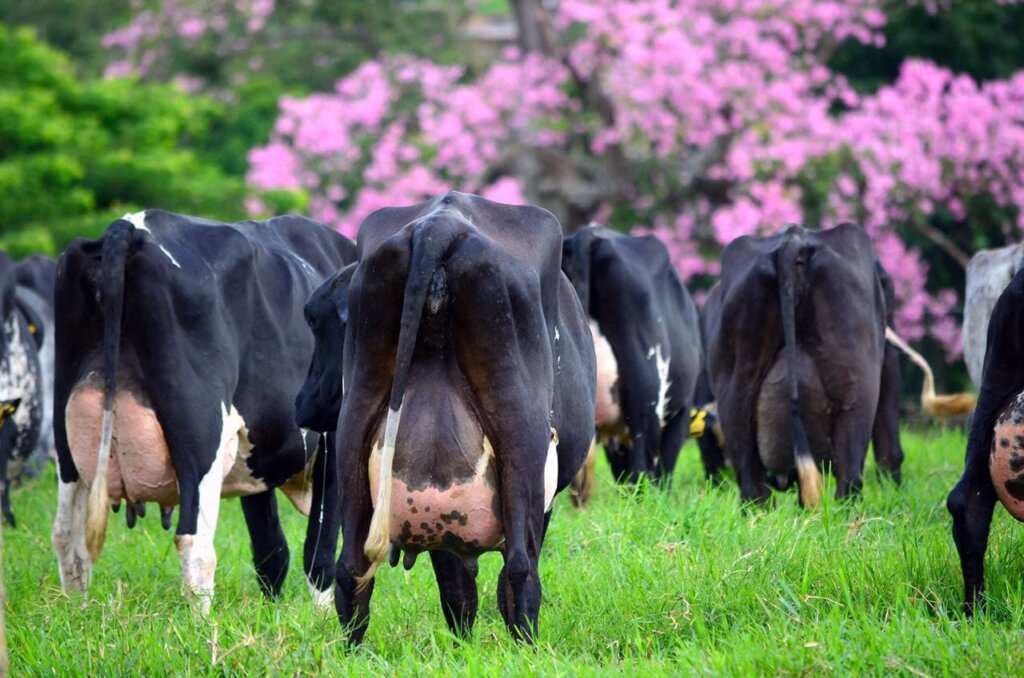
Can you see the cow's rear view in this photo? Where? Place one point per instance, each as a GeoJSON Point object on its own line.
{"type": "Point", "coordinates": [796, 344]}
{"type": "Point", "coordinates": [469, 401]}
{"type": "Point", "coordinates": [180, 347]}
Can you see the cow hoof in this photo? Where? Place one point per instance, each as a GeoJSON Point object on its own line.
{"type": "Point", "coordinates": [322, 600]}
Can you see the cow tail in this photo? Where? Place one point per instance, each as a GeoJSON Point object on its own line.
{"type": "Point", "coordinates": [939, 406]}
{"type": "Point", "coordinates": [791, 266]}
{"type": "Point", "coordinates": [429, 243]}
{"type": "Point", "coordinates": [111, 297]}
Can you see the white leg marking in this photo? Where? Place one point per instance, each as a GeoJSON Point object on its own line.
{"type": "Point", "coordinates": [551, 471]}
{"type": "Point", "coordinates": [321, 599]}
{"type": "Point", "coordinates": [69, 536]}
{"type": "Point", "coordinates": [196, 553]}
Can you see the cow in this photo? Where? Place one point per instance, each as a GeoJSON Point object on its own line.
{"type": "Point", "coordinates": [797, 360]}
{"type": "Point", "coordinates": [647, 341]}
{"type": "Point", "coordinates": [318, 405]}
{"type": "Point", "coordinates": [995, 444]}
{"type": "Point", "coordinates": [469, 384]}
{"type": "Point", "coordinates": [988, 274]}
{"type": "Point", "coordinates": [21, 385]}
{"type": "Point", "coordinates": [36, 277]}
{"type": "Point", "coordinates": [179, 349]}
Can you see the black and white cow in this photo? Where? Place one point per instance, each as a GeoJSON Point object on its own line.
{"type": "Point", "coordinates": [180, 347]}
{"type": "Point", "coordinates": [37, 278]}
{"type": "Point", "coordinates": [798, 361]}
{"type": "Point", "coordinates": [21, 385]}
{"type": "Point", "coordinates": [994, 467]}
{"type": "Point", "coordinates": [468, 401]}
{"type": "Point", "coordinates": [988, 274]}
{"type": "Point", "coordinates": [647, 340]}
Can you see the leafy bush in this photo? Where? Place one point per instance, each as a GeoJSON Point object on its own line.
{"type": "Point", "coordinates": [76, 155]}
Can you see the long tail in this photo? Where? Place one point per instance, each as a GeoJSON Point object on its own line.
{"type": "Point", "coordinates": [790, 264]}
{"type": "Point", "coordinates": [429, 243]}
{"type": "Point", "coordinates": [933, 405]}
{"type": "Point", "coordinates": [111, 288]}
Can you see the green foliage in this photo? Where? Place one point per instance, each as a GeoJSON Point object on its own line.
{"type": "Point", "coordinates": [76, 155]}
{"type": "Point", "coordinates": [684, 582]}
{"type": "Point", "coordinates": [979, 37]}
{"type": "Point", "coordinates": [77, 27]}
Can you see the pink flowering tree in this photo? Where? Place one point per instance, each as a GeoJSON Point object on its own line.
{"type": "Point", "coordinates": [698, 121]}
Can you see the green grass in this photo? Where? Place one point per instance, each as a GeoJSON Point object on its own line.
{"type": "Point", "coordinates": [657, 583]}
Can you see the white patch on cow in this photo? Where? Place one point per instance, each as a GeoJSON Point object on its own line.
{"type": "Point", "coordinates": [321, 599]}
{"type": "Point", "coordinates": [196, 553]}
{"type": "Point", "coordinates": [170, 256]}
{"type": "Point", "coordinates": [237, 449]}
{"type": "Point", "coordinates": [551, 471]}
{"type": "Point", "coordinates": [69, 536]}
{"type": "Point", "coordinates": [19, 379]}
{"type": "Point", "coordinates": [138, 220]}
{"type": "Point", "coordinates": [662, 364]}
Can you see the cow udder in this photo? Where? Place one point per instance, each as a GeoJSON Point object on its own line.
{"type": "Point", "coordinates": [140, 467]}
{"type": "Point", "coordinates": [1006, 460]}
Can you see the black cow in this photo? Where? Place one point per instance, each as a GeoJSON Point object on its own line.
{"type": "Point", "coordinates": [995, 445]}
{"type": "Point", "coordinates": [21, 385]}
{"type": "Point", "coordinates": [798, 360]}
{"type": "Point", "coordinates": [180, 347]}
{"type": "Point", "coordinates": [318, 404]}
{"type": "Point", "coordinates": [468, 401]}
{"type": "Point", "coordinates": [647, 341]}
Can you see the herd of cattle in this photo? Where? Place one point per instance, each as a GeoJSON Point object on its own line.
{"type": "Point", "coordinates": [433, 386]}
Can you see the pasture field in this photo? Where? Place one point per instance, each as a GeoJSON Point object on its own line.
{"type": "Point", "coordinates": [641, 583]}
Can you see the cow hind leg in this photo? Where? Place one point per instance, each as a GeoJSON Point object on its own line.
{"type": "Point", "coordinates": [197, 522]}
{"type": "Point", "coordinates": [886, 433]}
{"type": "Point", "coordinates": [850, 446]}
{"type": "Point", "coordinates": [457, 586]}
{"type": "Point", "coordinates": [269, 547]}
{"type": "Point", "coordinates": [522, 508]}
{"type": "Point", "coordinates": [672, 438]}
{"type": "Point", "coordinates": [69, 535]}
{"type": "Point", "coordinates": [322, 528]}
{"type": "Point", "coordinates": [352, 599]}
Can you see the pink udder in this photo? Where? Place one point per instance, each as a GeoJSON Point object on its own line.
{"type": "Point", "coordinates": [459, 518]}
{"type": "Point", "coordinates": [607, 412]}
{"type": "Point", "coordinates": [1006, 460]}
{"type": "Point", "coordinates": [463, 518]}
{"type": "Point", "coordinates": [140, 467]}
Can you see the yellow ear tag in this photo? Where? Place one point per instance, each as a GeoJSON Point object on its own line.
{"type": "Point", "coordinates": [697, 422]}
{"type": "Point", "coordinates": [5, 410]}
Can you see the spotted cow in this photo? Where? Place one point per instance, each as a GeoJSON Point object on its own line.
{"type": "Point", "coordinates": [469, 385]}
{"type": "Point", "coordinates": [179, 349]}
{"type": "Point", "coordinates": [37, 277]}
{"type": "Point", "coordinates": [994, 467]}
{"type": "Point", "coordinates": [647, 342]}
{"type": "Point", "coordinates": [798, 361]}
{"type": "Point", "coordinates": [21, 384]}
